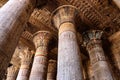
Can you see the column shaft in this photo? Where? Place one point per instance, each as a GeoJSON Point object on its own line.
{"type": "Point", "coordinates": [100, 66]}
{"type": "Point", "coordinates": [85, 70]}
{"type": "Point", "coordinates": [69, 67]}
{"type": "Point", "coordinates": [90, 71]}
{"type": "Point", "coordinates": [39, 67]}
{"type": "Point", "coordinates": [117, 2]}
{"type": "Point", "coordinates": [115, 50]}
{"type": "Point", "coordinates": [13, 15]}
{"type": "Point", "coordinates": [52, 69]}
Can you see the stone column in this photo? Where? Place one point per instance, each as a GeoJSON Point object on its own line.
{"type": "Point", "coordinates": [26, 59]}
{"type": "Point", "coordinates": [90, 71]}
{"type": "Point", "coordinates": [69, 63]}
{"type": "Point", "coordinates": [52, 70]}
{"type": "Point", "coordinates": [117, 2]}
{"type": "Point", "coordinates": [12, 73]}
{"type": "Point", "coordinates": [13, 15]}
{"type": "Point", "coordinates": [85, 70]}
{"type": "Point", "coordinates": [84, 74]}
{"type": "Point", "coordinates": [115, 51]}
{"type": "Point", "coordinates": [100, 68]}
{"type": "Point", "coordinates": [39, 68]}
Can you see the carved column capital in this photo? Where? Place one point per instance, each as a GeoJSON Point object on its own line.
{"type": "Point", "coordinates": [100, 67]}
{"type": "Point", "coordinates": [92, 37]}
{"type": "Point", "coordinates": [26, 56]}
{"type": "Point", "coordinates": [62, 14]}
{"type": "Point", "coordinates": [41, 38]}
{"type": "Point", "coordinates": [92, 42]}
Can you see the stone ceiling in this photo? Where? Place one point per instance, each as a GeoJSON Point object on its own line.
{"type": "Point", "coordinates": [2, 2]}
{"type": "Point", "coordinates": [93, 14]}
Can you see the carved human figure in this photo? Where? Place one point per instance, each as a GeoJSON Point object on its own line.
{"type": "Point", "coordinates": [39, 68]}
{"type": "Point", "coordinates": [100, 67]}
{"type": "Point", "coordinates": [69, 63]}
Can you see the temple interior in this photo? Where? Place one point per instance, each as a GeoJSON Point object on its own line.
{"type": "Point", "coordinates": [59, 39]}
